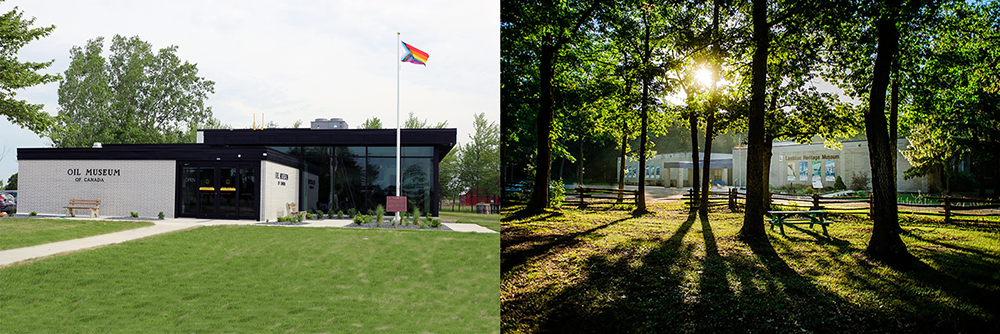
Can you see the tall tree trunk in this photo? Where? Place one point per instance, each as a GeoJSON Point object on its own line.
{"type": "Point", "coordinates": [640, 198]}
{"type": "Point", "coordinates": [996, 173]}
{"type": "Point", "coordinates": [707, 166]}
{"type": "Point", "coordinates": [885, 244]}
{"type": "Point", "coordinates": [693, 123]}
{"type": "Point", "coordinates": [709, 125]}
{"type": "Point", "coordinates": [753, 220]}
{"type": "Point", "coordinates": [562, 166]}
{"type": "Point", "coordinates": [579, 173]}
{"type": "Point", "coordinates": [621, 166]}
{"type": "Point", "coordinates": [768, 149]}
{"type": "Point", "coordinates": [540, 190]}
{"type": "Point", "coordinates": [894, 123]}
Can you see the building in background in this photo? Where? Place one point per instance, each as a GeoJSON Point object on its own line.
{"type": "Point", "coordinates": [674, 170]}
{"type": "Point", "coordinates": [797, 164]}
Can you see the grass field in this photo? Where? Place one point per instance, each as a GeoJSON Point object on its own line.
{"type": "Point", "coordinates": [573, 271]}
{"type": "Point", "coordinates": [251, 279]}
{"type": "Point", "coordinates": [22, 232]}
{"type": "Point", "coordinates": [489, 221]}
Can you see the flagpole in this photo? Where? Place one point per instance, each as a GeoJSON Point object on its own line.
{"type": "Point", "coordinates": [399, 185]}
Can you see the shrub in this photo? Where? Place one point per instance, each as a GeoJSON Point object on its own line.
{"type": "Point", "coordinates": [33, 214]}
{"type": "Point", "coordinates": [352, 212]}
{"type": "Point", "coordinates": [358, 220]}
{"type": "Point", "coordinates": [161, 215]}
{"type": "Point", "coordinates": [309, 215]}
{"type": "Point", "coordinates": [859, 181]}
{"type": "Point", "coordinates": [557, 193]}
{"type": "Point", "coordinates": [371, 212]}
{"type": "Point", "coordinates": [416, 216]}
{"type": "Point", "coordinates": [839, 184]}
{"type": "Point", "coordinates": [379, 213]}
{"type": "Point", "coordinates": [366, 219]}
{"type": "Point", "coordinates": [435, 223]}
{"type": "Point", "coordinates": [134, 214]}
{"type": "Point", "coordinates": [340, 214]}
{"type": "Point", "coordinates": [299, 218]}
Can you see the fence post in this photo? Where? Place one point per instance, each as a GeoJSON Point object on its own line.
{"type": "Point", "coordinates": [732, 200]}
{"type": "Point", "coordinates": [579, 191]}
{"type": "Point", "coordinates": [815, 202]}
{"type": "Point", "coordinates": [871, 205]}
{"type": "Point", "coordinates": [947, 209]}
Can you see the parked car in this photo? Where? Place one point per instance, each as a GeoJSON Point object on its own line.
{"type": "Point", "coordinates": [12, 192]}
{"type": "Point", "coordinates": [8, 203]}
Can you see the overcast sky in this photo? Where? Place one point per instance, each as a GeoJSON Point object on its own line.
{"type": "Point", "coordinates": [291, 60]}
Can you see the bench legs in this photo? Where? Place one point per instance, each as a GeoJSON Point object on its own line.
{"type": "Point", "coordinates": [70, 212]}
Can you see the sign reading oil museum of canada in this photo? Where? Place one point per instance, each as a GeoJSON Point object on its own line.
{"type": "Point", "coordinates": [93, 174]}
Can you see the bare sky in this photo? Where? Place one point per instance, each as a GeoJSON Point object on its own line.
{"type": "Point", "coordinates": [291, 60]}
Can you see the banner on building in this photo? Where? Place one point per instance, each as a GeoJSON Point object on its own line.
{"type": "Point", "coordinates": [816, 171]}
{"type": "Point", "coordinates": [804, 171]}
{"type": "Point", "coordinates": [831, 171]}
{"type": "Point", "coordinates": [790, 171]}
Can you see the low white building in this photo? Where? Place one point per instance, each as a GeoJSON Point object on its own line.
{"type": "Point", "coordinates": [798, 164]}
{"type": "Point", "coordinates": [675, 169]}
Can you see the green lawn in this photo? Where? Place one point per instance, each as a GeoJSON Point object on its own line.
{"type": "Point", "coordinates": [23, 232]}
{"type": "Point", "coordinates": [573, 271]}
{"type": "Point", "coordinates": [489, 221]}
{"type": "Point", "coordinates": [249, 279]}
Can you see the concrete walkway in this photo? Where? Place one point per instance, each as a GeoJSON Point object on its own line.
{"type": "Point", "coordinates": [11, 256]}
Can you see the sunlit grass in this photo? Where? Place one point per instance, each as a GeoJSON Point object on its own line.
{"type": "Point", "coordinates": [23, 232]}
{"type": "Point", "coordinates": [574, 271]}
{"type": "Point", "coordinates": [252, 279]}
{"type": "Point", "coordinates": [488, 221]}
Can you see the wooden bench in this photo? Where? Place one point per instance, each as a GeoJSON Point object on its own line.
{"type": "Point", "coordinates": [293, 209]}
{"type": "Point", "coordinates": [94, 205]}
{"type": "Point", "coordinates": [606, 196]}
{"type": "Point", "coordinates": [812, 217]}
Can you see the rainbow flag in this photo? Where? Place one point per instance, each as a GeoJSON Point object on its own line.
{"type": "Point", "coordinates": [414, 55]}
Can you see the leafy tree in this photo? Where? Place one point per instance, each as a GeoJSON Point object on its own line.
{"type": "Point", "coordinates": [542, 30]}
{"type": "Point", "coordinates": [15, 33]}
{"type": "Point", "coordinates": [372, 123]}
{"type": "Point", "coordinates": [413, 122]}
{"type": "Point", "coordinates": [133, 96]}
{"type": "Point", "coordinates": [448, 174]}
{"type": "Point", "coordinates": [11, 182]}
{"type": "Point", "coordinates": [480, 158]}
{"type": "Point", "coordinates": [955, 95]}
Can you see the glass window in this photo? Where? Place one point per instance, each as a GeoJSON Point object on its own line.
{"type": "Point", "coordinates": [418, 151]}
{"type": "Point", "coordinates": [317, 150]}
{"type": "Point", "coordinates": [351, 151]}
{"type": "Point", "coordinates": [418, 174]}
{"type": "Point", "coordinates": [293, 150]}
{"type": "Point", "coordinates": [381, 181]}
{"type": "Point", "coordinates": [349, 181]}
{"type": "Point", "coordinates": [382, 151]}
{"type": "Point", "coordinates": [189, 190]}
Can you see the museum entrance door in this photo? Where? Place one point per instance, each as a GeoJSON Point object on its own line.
{"type": "Point", "coordinates": [218, 190]}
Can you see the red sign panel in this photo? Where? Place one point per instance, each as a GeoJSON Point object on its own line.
{"type": "Point", "coordinates": [395, 203]}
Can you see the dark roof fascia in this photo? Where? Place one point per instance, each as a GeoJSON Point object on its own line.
{"type": "Point", "coordinates": [188, 152]}
{"type": "Point", "coordinates": [445, 138]}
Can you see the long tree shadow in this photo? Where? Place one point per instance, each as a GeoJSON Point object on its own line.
{"type": "Point", "coordinates": [539, 245]}
{"type": "Point", "coordinates": [915, 235]}
{"type": "Point", "coordinates": [715, 299]}
{"type": "Point", "coordinates": [614, 295]}
{"type": "Point", "coordinates": [804, 304]}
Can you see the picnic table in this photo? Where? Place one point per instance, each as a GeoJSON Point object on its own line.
{"type": "Point", "coordinates": [811, 217]}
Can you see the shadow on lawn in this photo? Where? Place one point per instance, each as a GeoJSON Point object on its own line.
{"type": "Point", "coordinates": [752, 288]}
{"type": "Point", "coordinates": [538, 244]}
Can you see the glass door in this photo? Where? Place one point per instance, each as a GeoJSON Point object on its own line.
{"type": "Point", "coordinates": [218, 191]}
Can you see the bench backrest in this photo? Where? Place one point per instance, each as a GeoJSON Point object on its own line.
{"type": "Point", "coordinates": [85, 202]}
{"type": "Point", "coordinates": [292, 207]}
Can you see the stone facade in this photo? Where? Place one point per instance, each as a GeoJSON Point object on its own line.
{"type": "Point", "coordinates": [123, 186]}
